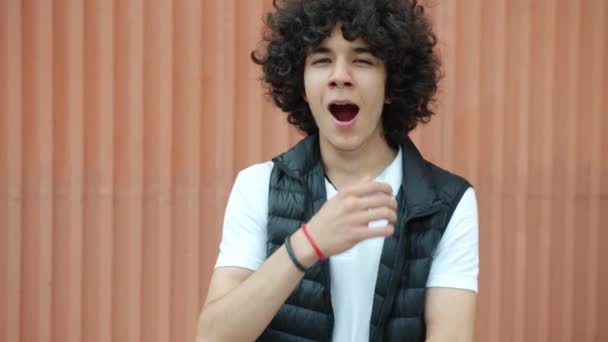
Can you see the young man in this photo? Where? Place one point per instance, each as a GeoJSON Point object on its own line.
{"type": "Point", "coordinates": [350, 235]}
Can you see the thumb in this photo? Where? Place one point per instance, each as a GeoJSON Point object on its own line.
{"type": "Point", "coordinates": [366, 179]}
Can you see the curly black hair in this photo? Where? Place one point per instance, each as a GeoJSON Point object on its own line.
{"type": "Point", "coordinates": [397, 31]}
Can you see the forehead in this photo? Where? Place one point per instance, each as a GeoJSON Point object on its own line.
{"type": "Point", "coordinates": [336, 39]}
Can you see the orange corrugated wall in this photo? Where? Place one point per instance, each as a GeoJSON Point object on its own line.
{"type": "Point", "coordinates": [124, 123]}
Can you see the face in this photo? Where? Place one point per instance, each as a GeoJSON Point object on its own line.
{"type": "Point", "coordinates": [345, 90]}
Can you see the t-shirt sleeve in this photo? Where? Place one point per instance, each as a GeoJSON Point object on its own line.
{"type": "Point", "coordinates": [244, 233]}
{"type": "Point", "coordinates": [456, 259]}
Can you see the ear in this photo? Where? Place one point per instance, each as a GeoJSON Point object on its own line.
{"type": "Point", "coordinates": [387, 101]}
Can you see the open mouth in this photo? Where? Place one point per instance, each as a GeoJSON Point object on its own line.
{"type": "Point", "coordinates": [344, 112]}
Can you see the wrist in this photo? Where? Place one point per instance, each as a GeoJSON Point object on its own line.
{"type": "Point", "coordinates": [313, 243]}
{"type": "Point", "coordinates": [302, 249]}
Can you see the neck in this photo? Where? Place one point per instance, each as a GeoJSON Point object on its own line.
{"type": "Point", "coordinates": [348, 167]}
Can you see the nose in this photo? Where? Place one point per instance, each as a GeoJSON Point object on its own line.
{"type": "Point", "coordinates": [341, 76]}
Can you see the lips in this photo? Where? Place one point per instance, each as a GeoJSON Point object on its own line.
{"type": "Point", "coordinates": [343, 112]}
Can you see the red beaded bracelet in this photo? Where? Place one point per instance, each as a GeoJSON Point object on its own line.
{"type": "Point", "coordinates": [313, 244]}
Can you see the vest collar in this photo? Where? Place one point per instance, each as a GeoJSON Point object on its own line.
{"type": "Point", "coordinates": [417, 188]}
{"type": "Point", "coordinates": [417, 184]}
{"type": "Point", "coordinates": [301, 159]}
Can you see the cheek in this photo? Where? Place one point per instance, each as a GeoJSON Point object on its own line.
{"type": "Point", "coordinates": [376, 94]}
{"type": "Point", "coordinates": [312, 90]}
{"type": "Point", "coordinates": [308, 88]}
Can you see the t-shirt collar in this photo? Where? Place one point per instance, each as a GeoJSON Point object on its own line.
{"type": "Point", "coordinates": [392, 174]}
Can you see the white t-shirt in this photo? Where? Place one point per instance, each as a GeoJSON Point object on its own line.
{"type": "Point", "coordinates": [353, 272]}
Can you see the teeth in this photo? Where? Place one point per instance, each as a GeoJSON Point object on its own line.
{"type": "Point", "coordinates": [342, 103]}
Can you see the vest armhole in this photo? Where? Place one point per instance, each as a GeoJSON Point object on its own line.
{"type": "Point", "coordinates": [454, 202]}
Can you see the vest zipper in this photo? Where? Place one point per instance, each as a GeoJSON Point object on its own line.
{"type": "Point", "coordinates": [396, 274]}
{"type": "Point", "coordinates": [324, 265]}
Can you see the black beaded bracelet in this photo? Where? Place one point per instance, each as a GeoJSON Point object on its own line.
{"type": "Point", "coordinates": [293, 256]}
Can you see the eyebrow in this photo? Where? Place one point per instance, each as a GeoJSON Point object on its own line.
{"type": "Point", "coordinates": [357, 49]}
{"type": "Point", "coordinates": [363, 50]}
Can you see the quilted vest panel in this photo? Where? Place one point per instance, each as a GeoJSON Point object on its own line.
{"type": "Point", "coordinates": [297, 191]}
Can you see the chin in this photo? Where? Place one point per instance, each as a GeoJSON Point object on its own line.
{"type": "Point", "coordinates": [349, 143]}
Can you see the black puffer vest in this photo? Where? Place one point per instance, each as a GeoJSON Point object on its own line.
{"type": "Point", "coordinates": [297, 192]}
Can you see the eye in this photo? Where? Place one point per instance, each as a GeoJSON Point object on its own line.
{"type": "Point", "coordinates": [363, 61]}
{"type": "Point", "coordinates": [321, 61]}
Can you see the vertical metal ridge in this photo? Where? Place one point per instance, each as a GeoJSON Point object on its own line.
{"type": "Point", "coordinates": [99, 104]}
{"type": "Point", "coordinates": [157, 130]}
{"type": "Point", "coordinates": [497, 170]}
{"type": "Point", "coordinates": [602, 300]}
{"type": "Point", "coordinates": [557, 175]}
{"type": "Point", "coordinates": [496, 67]}
{"type": "Point", "coordinates": [248, 121]}
{"type": "Point", "coordinates": [572, 123]}
{"type": "Point", "coordinates": [275, 130]}
{"type": "Point", "coordinates": [512, 230]}
{"type": "Point", "coordinates": [534, 139]}
{"type": "Point", "coordinates": [447, 87]}
{"type": "Point", "coordinates": [11, 111]}
{"type": "Point", "coordinates": [560, 199]}
{"type": "Point", "coordinates": [485, 191]}
{"type": "Point", "coordinates": [225, 135]}
{"type": "Point", "coordinates": [218, 121]}
{"type": "Point", "coordinates": [37, 214]}
{"type": "Point", "coordinates": [546, 63]}
{"type": "Point", "coordinates": [523, 229]}
{"type": "Point", "coordinates": [186, 166]}
{"type": "Point", "coordinates": [128, 171]}
{"type": "Point", "coordinates": [465, 125]}
{"type": "Point", "coordinates": [424, 136]}
{"type": "Point", "coordinates": [583, 155]}
{"type": "Point", "coordinates": [4, 172]}
{"type": "Point", "coordinates": [67, 170]}
{"type": "Point", "coordinates": [599, 67]}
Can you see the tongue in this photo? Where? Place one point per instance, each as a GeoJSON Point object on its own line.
{"type": "Point", "coordinates": [344, 113]}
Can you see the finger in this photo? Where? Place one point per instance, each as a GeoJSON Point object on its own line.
{"type": "Point", "coordinates": [366, 233]}
{"type": "Point", "coordinates": [377, 200]}
{"type": "Point", "coordinates": [368, 188]}
{"type": "Point", "coordinates": [380, 213]}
